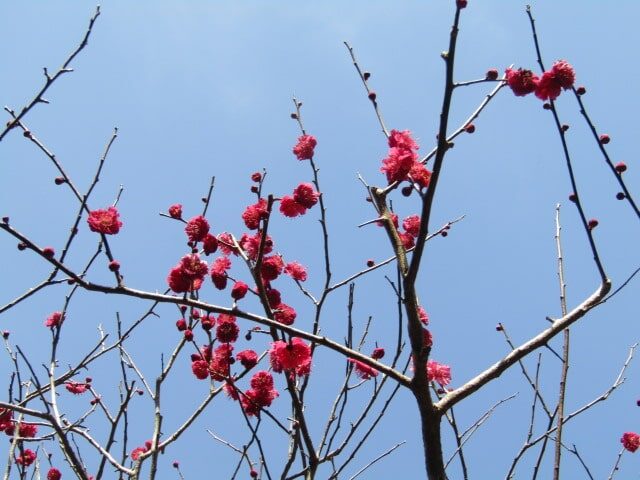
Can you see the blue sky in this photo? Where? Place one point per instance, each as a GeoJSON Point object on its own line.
{"type": "Point", "coordinates": [204, 88]}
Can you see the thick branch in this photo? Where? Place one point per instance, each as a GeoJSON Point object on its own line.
{"type": "Point", "coordinates": [523, 350]}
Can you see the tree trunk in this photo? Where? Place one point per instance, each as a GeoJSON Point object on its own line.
{"type": "Point", "coordinates": [431, 439]}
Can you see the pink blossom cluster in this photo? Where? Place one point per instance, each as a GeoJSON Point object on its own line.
{"type": "Point", "coordinates": [363, 370]}
{"type": "Point", "coordinates": [293, 357]}
{"type": "Point", "coordinates": [547, 87]}
{"type": "Point", "coordinates": [136, 452]}
{"type": "Point", "coordinates": [630, 441]}
{"type": "Point", "coordinates": [303, 150]}
{"type": "Point", "coordinates": [304, 197]}
{"type": "Point", "coordinates": [438, 372]}
{"type": "Point", "coordinates": [402, 161]}
{"type": "Point", "coordinates": [105, 221]}
{"type": "Point", "coordinates": [260, 395]}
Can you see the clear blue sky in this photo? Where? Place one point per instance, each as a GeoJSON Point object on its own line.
{"type": "Point", "coordinates": [204, 88]}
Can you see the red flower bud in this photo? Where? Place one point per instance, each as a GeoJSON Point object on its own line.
{"type": "Point", "coordinates": [492, 74]}
{"type": "Point", "coordinates": [604, 139]}
{"type": "Point", "coordinates": [239, 290]}
{"type": "Point", "coordinates": [621, 167]}
{"type": "Point", "coordinates": [378, 353]}
{"type": "Point", "coordinates": [372, 96]}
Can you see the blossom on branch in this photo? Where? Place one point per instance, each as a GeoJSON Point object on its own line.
{"type": "Point", "coordinates": [561, 76]}
{"type": "Point", "coordinates": [630, 441]}
{"type": "Point", "coordinates": [402, 161]}
{"type": "Point", "coordinates": [260, 395]}
{"type": "Point", "coordinates": [522, 82]}
{"type": "Point", "coordinates": [363, 370]}
{"type": "Point", "coordinates": [54, 320]}
{"type": "Point", "coordinates": [296, 271]}
{"type": "Point", "coordinates": [105, 221]}
{"type": "Point", "coordinates": [225, 242]}
{"type": "Point", "coordinates": [76, 388]}
{"type": "Point", "coordinates": [250, 244]}
{"type": "Point", "coordinates": [304, 197]}
{"type": "Point", "coordinates": [227, 329]}
{"type": "Point", "coordinates": [197, 228]}
{"type": "Point", "coordinates": [438, 372]}
{"type": "Point", "coordinates": [209, 244]}
{"type": "Point", "coordinates": [284, 314]}
{"type": "Point", "coordinates": [411, 225]}
{"type": "Point", "coordinates": [271, 267]}
{"type": "Point", "coordinates": [303, 150]}
{"type": "Point", "coordinates": [248, 358]}
{"type": "Point", "coordinates": [175, 211]}
{"type": "Point", "coordinates": [25, 430]}
{"type": "Point", "coordinates": [293, 357]}
{"type": "Point", "coordinates": [200, 369]}
{"type": "Point", "coordinates": [26, 458]}
{"type": "Point", "coordinates": [239, 290]}
{"type": "Point", "coordinates": [254, 213]}
{"type": "Point", "coordinates": [188, 275]}
{"type": "Point", "coordinates": [54, 474]}
{"type": "Point", "coordinates": [221, 362]}
{"type": "Point", "coordinates": [219, 272]}
{"type": "Point", "coordinates": [290, 208]}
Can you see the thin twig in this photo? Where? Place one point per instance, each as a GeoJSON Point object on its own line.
{"type": "Point", "coordinates": [49, 80]}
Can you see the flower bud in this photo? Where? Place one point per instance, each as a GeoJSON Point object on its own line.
{"type": "Point", "coordinates": [492, 74]}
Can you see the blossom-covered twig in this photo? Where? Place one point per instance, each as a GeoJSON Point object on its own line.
{"type": "Point", "coordinates": [588, 225]}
